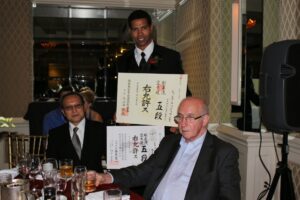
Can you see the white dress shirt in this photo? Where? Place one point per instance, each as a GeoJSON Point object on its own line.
{"type": "Point", "coordinates": [175, 182]}
{"type": "Point", "coordinates": [148, 51]}
{"type": "Point", "coordinates": [80, 132]}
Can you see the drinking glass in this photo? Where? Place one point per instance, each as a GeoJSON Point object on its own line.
{"type": "Point", "coordinates": [112, 194]}
{"type": "Point", "coordinates": [24, 165]}
{"type": "Point", "coordinates": [90, 184]}
{"type": "Point", "coordinates": [49, 164]}
{"type": "Point", "coordinates": [35, 171]}
{"type": "Point", "coordinates": [50, 178]}
{"type": "Point", "coordinates": [78, 183]}
{"type": "Point", "coordinates": [66, 168]}
{"type": "Point", "coordinates": [80, 170]}
{"type": "Point", "coordinates": [61, 184]}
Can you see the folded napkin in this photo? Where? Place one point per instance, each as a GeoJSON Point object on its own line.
{"type": "Point", "coordinates": [14, 172]}
{"type": "Point", "coordinates": [99, 196]}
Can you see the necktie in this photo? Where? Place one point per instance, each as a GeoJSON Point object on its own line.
{"type": "Point", "coordinates": [143, 64]}
{"type": "Point", "coordinates": [76, 142]}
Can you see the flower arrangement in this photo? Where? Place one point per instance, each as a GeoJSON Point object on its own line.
{"type": "Point", "coordinates": [6, 122]}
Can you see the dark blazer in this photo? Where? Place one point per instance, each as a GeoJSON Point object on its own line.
{"type": "Point", "coordinates": [161, 61]}
{"type": "Point", "coordinates": [94, 145]}
{"type": "Point", "coordinates": [215, 175]}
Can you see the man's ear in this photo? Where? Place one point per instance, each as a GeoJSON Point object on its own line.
{"type": "Point", "coordinates": [206, 120]}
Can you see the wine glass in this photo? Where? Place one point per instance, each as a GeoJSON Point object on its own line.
{"type": "Point", "coordinates": [78, 182]}
{"type": "Point", "coordinates": [24, 165]}
{"type": "Point", "coordinates": [35, 171]}
{"type": "Point", "coordinates": [50, 177]}
{"type": "Point", "coordinates": [61, 184]}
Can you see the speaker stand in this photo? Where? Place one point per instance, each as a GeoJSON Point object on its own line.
{"type": "Point", "coordinates": [283, 171]}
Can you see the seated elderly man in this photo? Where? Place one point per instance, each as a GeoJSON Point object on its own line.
{"type": "Point", "coordinates": [79, 139]}
{"type": "Point", "coordinates": [192, 165]}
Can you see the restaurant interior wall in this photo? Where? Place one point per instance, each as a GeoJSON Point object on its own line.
{"type": "Point", "coordinates": [205, 47]}
{"type": "Point", "coordinates": [16, 76]}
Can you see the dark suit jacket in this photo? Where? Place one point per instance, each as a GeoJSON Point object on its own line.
{"type": "Point", "coordinates": [94, 145]}
{"type": "Point", "coordinates": [215, 175]}
{"type": "Point", "coordinates": [164, 61]}
{"type": "Point", "coordinates": [161, 61]}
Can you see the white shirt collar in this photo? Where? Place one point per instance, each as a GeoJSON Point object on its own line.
{"type": "Point", "coordinates": [196, 142]}
{"type": "Point", "coordinates": [148, 51]}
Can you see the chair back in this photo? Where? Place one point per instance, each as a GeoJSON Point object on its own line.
{"type": "Point", "coordinates": [20, 144]}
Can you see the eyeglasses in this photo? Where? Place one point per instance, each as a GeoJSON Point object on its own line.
{"type": "Point", "coordinates": [69, 108]}
{"type": "Point", "coordinates": [189, 119]}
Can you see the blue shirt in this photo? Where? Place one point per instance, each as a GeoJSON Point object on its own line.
{"type": "Point", "coordinates": [175, 182]}
{"type": "Point", "coordinates": [53, 119]}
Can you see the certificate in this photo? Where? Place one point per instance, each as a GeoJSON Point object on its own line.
{"type": "Point", "coordinates": [149, 99]}
{"type": "Point", "coordinates": [131, 145]}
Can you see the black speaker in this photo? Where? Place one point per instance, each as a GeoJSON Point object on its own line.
{"type": "Point", "coordinates": [280, 86]}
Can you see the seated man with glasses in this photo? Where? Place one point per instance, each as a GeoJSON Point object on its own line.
{"type": "Point", "coordinates": [192, 165]}
{"type": "Point", "coordinates": [79, 139]}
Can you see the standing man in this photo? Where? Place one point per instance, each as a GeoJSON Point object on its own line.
{"type": "Point", "coordinates": [147, 56]}
{"type": "Point", "coordinates": [192, 165]}
{"type": "Point", "coordinates": [79, 139]}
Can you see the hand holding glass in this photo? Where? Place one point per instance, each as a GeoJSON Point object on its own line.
{"type": "Point", "coordinates": [90, 184]}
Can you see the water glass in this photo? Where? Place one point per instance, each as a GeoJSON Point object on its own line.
{"type": "Point", "coordinates": [49, 164]}
{"type": "Point", "coordinates": [50, 179]}
{"type": "Point", "coordinates": [112, 194]}
{"type": "Point", "coordinates": [78, 183]}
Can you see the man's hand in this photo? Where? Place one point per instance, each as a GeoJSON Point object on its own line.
{"type": "Point", "coordinates": [103, 179]}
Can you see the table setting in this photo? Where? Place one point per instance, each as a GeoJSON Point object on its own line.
{"type": "Point", "coordinates": [48, 179]}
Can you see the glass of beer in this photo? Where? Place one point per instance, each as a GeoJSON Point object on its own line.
{"type": "Point", "coordinates": [66, 168]}
{"type": "Point", "coordinates": [90, 184]}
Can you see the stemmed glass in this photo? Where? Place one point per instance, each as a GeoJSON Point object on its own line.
{"type": "Point", "coordinates": [50, 177]}
{"type": "Point", "coordinates": [61, 184]}
{"type": "Point", "coordinates": [78, 182]}
{"type": "Point", "coordinates": [24, 165]}
{"type": "Point", "coordinates": [35, 171]}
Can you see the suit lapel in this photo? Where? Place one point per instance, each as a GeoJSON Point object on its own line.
{"type": "Point", "coordinates": [85, 140]}
{"type": "Point", "coordinates": [131, 62]}
{"type": "Point", "coordinates": [155, 58]}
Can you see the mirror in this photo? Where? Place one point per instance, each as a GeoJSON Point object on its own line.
{"type": "Point", "coordinates": [246, 115]}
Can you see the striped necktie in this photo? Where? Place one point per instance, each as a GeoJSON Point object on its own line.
{"type": "Point", "coordinates": [76, 142]}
